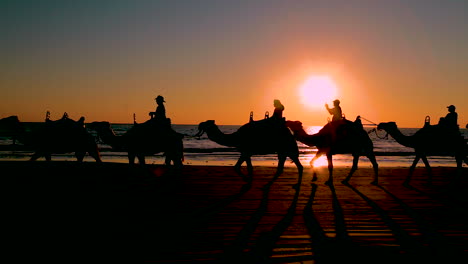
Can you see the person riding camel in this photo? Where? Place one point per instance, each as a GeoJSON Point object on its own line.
{"type": "Point", "coordinates": [160, 113]}
{"type": "Point", "coordinates": [279, 108]}
{"type": "Point", "coordinates": [450, 122]}
{"type": "Point", "coordinates": [335, 111]}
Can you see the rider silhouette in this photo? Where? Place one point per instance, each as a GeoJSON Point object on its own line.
{"type": "Point", "coordinates": [279, 108]}
{"type": "Point", "coordinates": [160, 113]}
{"type": "Point", "coordinates": [451, 119]}
{"type": "Point", "coordinates": [335, 111]}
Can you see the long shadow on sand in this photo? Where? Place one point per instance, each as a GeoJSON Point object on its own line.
{"type": "Point", "coordinates": [263, 248]}
{"type": "Point", "coordinates": [235, 253]}
{"type": "Point", "coordinates": [408, 245]}
{"type": "Point", "coordinates": [326, 249]}
{"type": "Point", "coordinates": [176, 234]}
{"type": "Point", "coordinates": [437, 245]}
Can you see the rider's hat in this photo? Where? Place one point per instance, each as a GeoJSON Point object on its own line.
{"type": "Point", "coordinates": [160, 98]}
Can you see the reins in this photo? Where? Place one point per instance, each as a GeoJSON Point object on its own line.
{"type": "Point", "coordinates": [375, 129]}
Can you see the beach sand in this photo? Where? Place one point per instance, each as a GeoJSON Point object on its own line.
{"type": "Point", "coordinates": [207, 214]}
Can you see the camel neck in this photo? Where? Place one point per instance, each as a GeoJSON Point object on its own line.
{"type": "Point", "coordinates": [216, 135]}
{"type": "Point", "coordinates": [400, 137]}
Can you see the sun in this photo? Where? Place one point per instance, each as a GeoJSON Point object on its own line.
{"type": "Point", "coordinates": [317, 90]}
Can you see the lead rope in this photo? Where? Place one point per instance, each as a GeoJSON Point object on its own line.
{"type": "Point", "coordinates": [375, 129]}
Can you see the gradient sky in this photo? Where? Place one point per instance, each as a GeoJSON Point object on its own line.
{"type": "Point", "coordinates": [105, 60]}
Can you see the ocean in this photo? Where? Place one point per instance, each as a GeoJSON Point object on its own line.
{"type": "Point", "coordinates": [202, 151]}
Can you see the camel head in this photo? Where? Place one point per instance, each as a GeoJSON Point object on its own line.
{"type": "Point", "coordinates": [389, 126]}
{"type": "Point", "coordinates": [204, 126]}
{"type": "Point", "coordinates": [10, 121]}
{"type": "Point", "coordinates": [294, 125]}
{"type": "Point", "coordinates": [10, 125]}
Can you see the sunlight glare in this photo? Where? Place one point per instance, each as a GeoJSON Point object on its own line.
{"type": "Point", "coordinates": [317, 90]}
{"type": "Point", "coordinates": [321, 162]}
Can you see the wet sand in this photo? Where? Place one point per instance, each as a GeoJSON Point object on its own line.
{"type": "Point", "coordinates": [207, 214]}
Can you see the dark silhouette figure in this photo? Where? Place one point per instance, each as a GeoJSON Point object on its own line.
{"type": "Point", "coordinates": [257, 138]}
{"type": "Point", "coordinates": [160, 113]}
{"type": "Point", "coordinates": [358, 122]}
{"type": "Point", "coordinates": [279, 108]}
{"type": "Point", "coordinates": [450, 121]}
{"type": "Point", "coordinates": [430, 140]}
{"type": "Point", "coordinates": [338, 138]}
{"type": "Point", "coordinates": [144, 139]}
{"type": "Point", "coordinates": [335, 111]}
{"type": "Point", "coordinates": [60, 136]}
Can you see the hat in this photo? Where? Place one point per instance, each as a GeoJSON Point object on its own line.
{"type": "Point", "coordinates": [160, 98]}
{"type": "Point", "coordinates": [451, 106]}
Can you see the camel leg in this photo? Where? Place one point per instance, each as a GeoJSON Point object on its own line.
{"type": "Point", "coordinates": [248, 161]}
{"type": "Point", "coordinates": [168, 158]}
{"type": "Point", "coordinates": [35, 156]}
{"type": "Point", "coordinates": [317, 155]}
{"type": "Point", "coordinates": [459, 160]}
{"type": "Point", "coordinates": [95, 155]}
{"type": "Point", "coordinates": [300, 170]}
{"type": "Point", "coordinates": [141, 159]}
{"type": "Point", "coordinates": [281, 161]}
{"type": "Point", "coordinates": [353, 169]}
{"type": "Point", "coordinates": [375, 165]}
{"type": "Point", "coordinates": [429, 170]}
{"type": "Point", "coordinates": [237, 168]}
{"type": "Point", "coordinates": [79, 156]}
{"type": "Point", "coordinates": [413, 166]}
{"type": "Point", "coordinates": [131, 158]}
{"type": "Point", "coordinates": [330, 170]}
{"type": "Point", "coordinates": [238, 165]}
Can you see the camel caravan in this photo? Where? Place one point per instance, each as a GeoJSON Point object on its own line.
{"type": "Point", "coordinates": [271, 135]}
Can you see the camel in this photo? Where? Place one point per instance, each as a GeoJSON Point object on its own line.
{"type": "Point", "coordinates": [143, 139]}
{"type": "Point", "coordinates": [11, 127]}
{"type": "Point", "coordinates": [338, 137]}
{"type": "Point", "coordinates": [61, 136]}
{"type": "Point", "coordinates": [430, 140]}
{"type": "Point", "coordinates": [266, 136]}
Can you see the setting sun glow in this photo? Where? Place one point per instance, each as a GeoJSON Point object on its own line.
{"type": "Point", "coordinates": [317, 90]}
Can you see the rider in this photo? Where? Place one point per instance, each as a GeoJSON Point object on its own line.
{"type": "Point", "coordinates": [160, 113]}
{"type": "Point", "coordinates": [279, 108]}
{"type": "Point", "coordinates": [335, 111]}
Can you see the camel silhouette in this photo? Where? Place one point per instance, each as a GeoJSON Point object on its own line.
{"type": "Point", "coordinates": [338, 137]}
{"type": "Point", "coordinates": [261, 137]}
{"type": "Point", "coordinates": [430, 140]}
{"type": "Point", "coordinates": [52, 137]}
{"type": "Point", "coordinates": [143, 140]}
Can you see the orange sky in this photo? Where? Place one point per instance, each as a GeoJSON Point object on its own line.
{"type": "Point", "coordinates": [221, 60]}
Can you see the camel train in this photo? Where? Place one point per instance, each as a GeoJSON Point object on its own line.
{"type": "Point", "coordinates": [272, 135]}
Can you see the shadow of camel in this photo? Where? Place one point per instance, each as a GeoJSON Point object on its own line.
{"type": "Point", "coordinates": [235, 252]}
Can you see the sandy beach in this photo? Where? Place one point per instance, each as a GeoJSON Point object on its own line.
{"type": "Point", "coordinates": [208, 214]}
